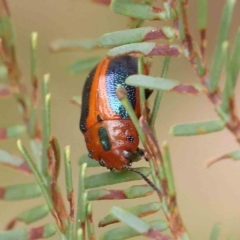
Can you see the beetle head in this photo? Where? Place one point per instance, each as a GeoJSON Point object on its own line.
{"type": "Point", "coordinates": [116, 159]}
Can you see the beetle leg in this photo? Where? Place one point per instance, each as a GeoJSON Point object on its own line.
{"type": "Point", "coordinates": [102, 163]}
{"type": "Point", "coordinates": [90, 153]}
{"type": "Point", "coordinates": [142, 153]}
{"type": "Point", "coordinates": [112, 169]}
{"type": "Point", "coordinates": [127, 166]}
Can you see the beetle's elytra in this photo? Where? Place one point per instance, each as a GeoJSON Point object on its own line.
{"type": "Point", "coordinates": [109, 133]}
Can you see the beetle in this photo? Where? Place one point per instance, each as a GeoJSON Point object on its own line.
{"type": "Point", "coordinates": [111, 137]}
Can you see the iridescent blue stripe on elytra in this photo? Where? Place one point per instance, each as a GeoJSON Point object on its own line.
{"type": "Point", "coordinates": [118, 70]}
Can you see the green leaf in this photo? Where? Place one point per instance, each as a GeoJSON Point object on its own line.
{"type": "Point", "coordinates": [13, 161]}
{"type": "Point", "coordinates": [33, 214]}
{"type": "Point", "coordinates": [32, 121]}
{"type": "Point", "coordinates": [110, 178]}
{"type": "Point", "coordinates": [145, 48]}
{"type": "Point", "coordinates": [12, 132]}
{"type": "Point", "coordinates": [90, 162]}
{"type": "Point", "coordinates": [158, 97]}
{"type": "Point", "coordinates": [202, 14]}
{"type": "Point", "coordinates": [15, 131]}
{"type": "Point", "coordinates": [6, 29]}
{"type": "Point", "coordinates": [70, 191]}
{"type": "Point", "coordinates": [140, 211]}
{"type": "Point", "coordinates": [46, 125]}
{"type": "Point", "coordinates": [151, 82]}
{"type": "Point", "coordinates": [168, 169]}
{"type": "Point", "coordinates": [34, 60]}
{"type": "Point", "coordinates": [124, 37]}
{"type": "Point", "coordinates": [82, 200]}
{"type": "Point", "coordinates": [126, 232]}
{"type": "Point", "coordinates": [37, 175]}
{"type": "Point", "coordinates": [20, 234]}
{"type": "Point", "coordinates": [20, 192]}
{"type": "Point", "coordinates": [135, 10]}
{"type": "Point", "coordinates": [35, 85]}
{"type": "Point", "coordinates": [63, 45]}
{"type": "Point", "coordinates": [218, 57]}
{"type": "Point", "coordinates": [191, 129]}
{"type": "Point", "coordinates": [138, 191]}
{"type": "Point", "coordinates": [80, 234]}
{"type": "Point", "coordinates": [129, 193]}
{"type": "Point", "coordinates": [235, 60]}
{"type": "Point", "coordinates": [233, 155]}
{"type": "Point", "coordinates": [130, 219]}
{"type": "Point", "coordinates": [68, 171]}
{"type": "Point", "coordinates": [77, 100]}
{"type": "Point", "coordinates": [141, 89]}
{"type": "Point", "coordinates": [215, 232]}
{"type": "Point", "coordinates": [36, 147]}
{"type": "Point", "coordinates": [227, 92]}
{"type": "Point", "coordinates": [49, 230]}
{"type": "Point", "coordinates": [83, 65]}
{"type": "Point", "coordinates": [41, 232]}
{"type": "Point", "coordinates": [182, 34]}
{"type": "Point", "coordinates": [232, 70]}
{"type": "Point", "coordinates": [90, 225]}
{"type": "Point", "coordinates": [3, 72]}
{"type": "Point", "coordinates": [163, 84]}
{"type": "Point", "coordinates": [217, 64]}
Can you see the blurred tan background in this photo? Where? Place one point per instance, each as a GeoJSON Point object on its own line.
{"type": "Point", "coordinates": [205, 196]}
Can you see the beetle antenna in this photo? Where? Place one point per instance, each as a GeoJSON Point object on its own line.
{"type": "Point", "coordinates": [147, 180]}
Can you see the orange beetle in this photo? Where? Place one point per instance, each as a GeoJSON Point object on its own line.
{"type": "Point", "coordinates": [109, 133]}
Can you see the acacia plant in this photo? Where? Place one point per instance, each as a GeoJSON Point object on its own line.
{"type": "Point", "coordinates": [75, 220]}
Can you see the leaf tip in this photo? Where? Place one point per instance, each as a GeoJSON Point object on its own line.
{"type": "Point", "coordinates": [48, 97]}
{"type": "Point", "coordinates": [34, 37]}
{"type": "Point", "coordinates": [165, 143]}
{"type": "Point", "coordinates": [19, 144]}
{"type": "Point", "coordinates": [171, 130]}
{"type": "Point", "coordinates": [46, 78]}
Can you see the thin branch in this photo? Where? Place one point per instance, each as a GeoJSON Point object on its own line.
{"type": "Point", "coordinates": [202, 71]}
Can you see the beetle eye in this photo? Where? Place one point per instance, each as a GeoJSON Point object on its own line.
{"type": "Point", "coordinates": [102, 163]}
{"type": "Point", "coordinates": [127, 154]}
{"type": "Point", "coordinates": [130, 138]}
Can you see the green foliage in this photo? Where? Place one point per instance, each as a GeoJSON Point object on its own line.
{"type": "Point", "coordinates": [12, 132]}
{"type": "Point", "coordinates": [83, 65]}
{"type": "Point", "coordinates": [202, 14]}
{"type": "Point", "coordinates": [139, 210]}
{"type": "Point", "coordinates": [45, 163]}
{"type": "Point", "coordinates": [44, 231]}
{"type": "Point", "coordinates": [109, 178]}
{"type": "Point", "coordinates": [21, 192]}
{"type": "Point", "coordinates": [191, 129]}
{"type": "Point", "coordinates": [135, 10]}
{"type": "Point", "coordinates": [63, 45]}
{"type": "Point", "coordinates": [34, 214]}
{"type": "Point", "coordinates": [215, 232]}
{"type": "Point", "coordinates": [218, 57]}
{"type": "Point", "coordinates": [127, 232]}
